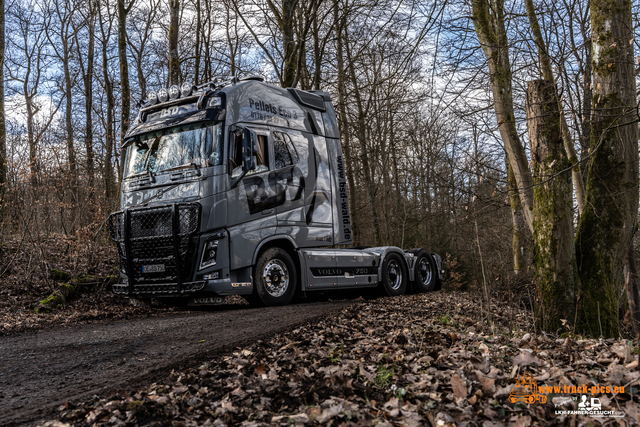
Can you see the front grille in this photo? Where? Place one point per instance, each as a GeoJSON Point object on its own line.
{"type": "Point", "coordinates": [157, 246]}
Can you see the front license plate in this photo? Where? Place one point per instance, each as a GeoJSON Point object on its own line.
{"type": "Point", "coordinates": [153, 268]}
{"type": "Point", "coordinates": [206, 301]}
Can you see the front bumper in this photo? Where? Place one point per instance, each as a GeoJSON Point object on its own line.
{"type": "Point", "coordinates": [218, 287]}
{"type": "Point", "coordinates": [159, 289]}
{"type": "Point", "coordinates": [158, 248]}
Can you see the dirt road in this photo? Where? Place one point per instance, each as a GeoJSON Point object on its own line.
{"type": "Point", "coordinates": [41, 370]}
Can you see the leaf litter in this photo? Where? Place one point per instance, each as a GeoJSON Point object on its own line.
{"type": "Point", "coordinates": [410, 361]}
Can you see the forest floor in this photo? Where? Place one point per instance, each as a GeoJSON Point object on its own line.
{"type": "Point", "coordinates": [438, 359]}
{"type": "Point", "coordinates": [433, 359]}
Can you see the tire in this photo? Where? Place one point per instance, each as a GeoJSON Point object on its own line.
{"type": "Point", "coordinates": [394, 275]}
{"type": "Point", "coordinates": [424, 272]}
{"type": "Point", "coordinates": [275, 278]}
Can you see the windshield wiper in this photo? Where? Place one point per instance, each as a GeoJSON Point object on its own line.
{"type": "Point", "coordinates": [184, 166]}
{"type": "Point", "coordinates": [147, 172]}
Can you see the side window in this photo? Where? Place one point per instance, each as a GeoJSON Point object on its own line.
{"type": "Point", "coordinates": [262, 152]}
{"type": "Point", "coordinates": [261, 159]}
{"type": "Point", "coordinates": [235, 153]}
{"type": "Point", "coordinates": [285, 152]}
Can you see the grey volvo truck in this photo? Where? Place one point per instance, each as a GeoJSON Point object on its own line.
{"type": "Point", "coordinates": [239, 188]}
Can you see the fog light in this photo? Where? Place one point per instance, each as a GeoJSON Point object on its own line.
{"type": "Point", "coordinates": [213, 276]}
{"type": "Point", "coordinates": [209, 253]}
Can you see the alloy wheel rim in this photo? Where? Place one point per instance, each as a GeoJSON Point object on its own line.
{"type": "Point", "coordinates": [424, 269]}
{"type": "Point", "coordinates": [276, 278]}
{"type": "Point", "coordinates": [394, 274]}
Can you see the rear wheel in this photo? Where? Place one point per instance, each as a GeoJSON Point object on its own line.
{"type": "Point", "coordinates": [424, 272]}
{"type": "Point", "coordinates": [275, 277]}
{"type": "Point", "coordinates": [394, 275]}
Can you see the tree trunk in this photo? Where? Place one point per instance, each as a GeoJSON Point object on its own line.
{"type": "Point", "coordinates": [88, 103]}
{"type": "Point", "coordinates": [552, 213]}
{"type": "Point", "coordinates": [586, 113]}
{"type": "Point", "coordinates": [632, 286]}
{"type": "Point", "coordinates": [285, 18]}
{"type": "Point", "coordinates": [174, 60]}
{"type": "Point", "coordinates": [124, 76]}
{"type": "Point", "coordinates": [344, 131]}
{"type": "Point", "coordinates": [605, 228]}
{"type": "Point", "coordinates": [3, 128]}
{"type": "Point", "coordinates": [230, 42]}
{"type": "Point", "coordinates": [317, 53]}
{"type": "Point", "coordinates": [198, 47]}
{"type": "Point", "coordinates": [108, 172]}
{"type": "Point", "coordinates": [488, 20]}
{"type": "Point", "coordinates": [516, 212]}
{"type": "Point", "coordinates": [68, 119]}
{"type": "Point", "coordinates": [288, 43]}
{"type": "Point", "coordinates": [31, 138]}
{"type": "Point", "coordinates": [361, 134]}
{"type": "Point", "coordinates": [547, 74]}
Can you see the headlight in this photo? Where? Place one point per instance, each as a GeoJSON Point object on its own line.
{"type": "Point", "coordinates": [214, 102]}
{"type": "Point", "coordinates": [186, 88]}
{"type": "Point", "coordinates": [174, 92]}
{"type": "Point", "coordinates": [163, 95]}
{"type": "Point", "coordinates": [209, 253]}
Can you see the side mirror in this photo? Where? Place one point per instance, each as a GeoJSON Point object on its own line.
{"type": "Point", "coordinates": [249, 148]}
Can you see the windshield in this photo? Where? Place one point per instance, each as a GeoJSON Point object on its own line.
{"type": "Point", "coordinates": [197, 144]}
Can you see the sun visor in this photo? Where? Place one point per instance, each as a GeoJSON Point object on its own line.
{"type": "Point", "coordinates": [308, 99]}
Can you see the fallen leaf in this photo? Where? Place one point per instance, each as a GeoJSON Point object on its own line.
{"type": "Point", "coordinates": [459, 386]}
{"type": "Point", "coordinates": [526, 358]}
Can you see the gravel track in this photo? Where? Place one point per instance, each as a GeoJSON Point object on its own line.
{"type": "Point", "coordinates": [41, 370]}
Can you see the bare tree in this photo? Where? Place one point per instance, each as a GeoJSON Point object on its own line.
{"type": "Point", "coordinates": [89, 16]}
{"type": "Point", "coordinates": [61, 37]}
{"type": "Point", "coordinates": [553, 217]}
{"type": "Point", "coordinates": [3, 127]}
{"type": "Point", "coordinates": [141, 37]}
{"type": "Point", "coordinates": [125, 113]}
{"type": "Point", "coordinates": [489, 22]}
{"type": "Point", "coordinates": [606, 227]}
{"type": "Point", "coordinates": [109, 125]}
{"type": "Point", "coordinates": [25, 65]}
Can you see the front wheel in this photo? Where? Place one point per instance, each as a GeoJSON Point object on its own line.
{"type": "Point", "coordinates": [424, 273]}
{"type": "Point", "coordinates": [394, 275]}
{"type": "Point", "coordinates": [275, 277]}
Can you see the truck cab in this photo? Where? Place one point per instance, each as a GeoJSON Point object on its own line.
{"type": "Point", "coordinates": [239, 188]}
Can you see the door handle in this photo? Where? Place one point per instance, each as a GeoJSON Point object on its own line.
{"type": "Point", "coordinates": [267, 212]}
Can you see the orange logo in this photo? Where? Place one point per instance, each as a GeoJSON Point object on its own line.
{"type": "Point", "coordinates": [526, 390]}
